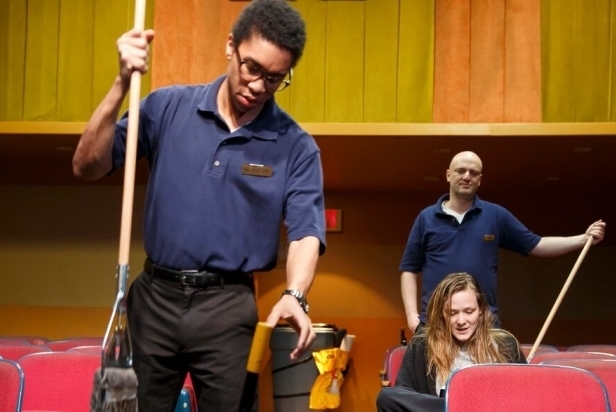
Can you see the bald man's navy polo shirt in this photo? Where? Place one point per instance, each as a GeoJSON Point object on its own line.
{"type": "Point", "coordinates": [438, 245]}
{"type": "Point", "coordinates": [216, 198]}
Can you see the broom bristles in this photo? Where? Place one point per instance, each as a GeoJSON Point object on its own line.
{"type": "Point", "coordinates": [115, 390]}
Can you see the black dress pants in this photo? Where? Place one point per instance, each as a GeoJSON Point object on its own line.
{"type": "Point", "coordinates": [206, 332]}
{"type": "Point", "coordinates": [401, 399]}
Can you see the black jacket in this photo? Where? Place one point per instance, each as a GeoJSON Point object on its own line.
{"type": "Point", "coordinates": [413, 372]}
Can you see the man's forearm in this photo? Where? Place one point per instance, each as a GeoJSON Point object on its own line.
{"type": "Point", "coordinates": [92, 158]}
{"type": "Point", "coordinates": [301, 263]}
{"type": "Point", "coordinates": [555, 246]}
{"type": "Point", "coordinates": [408, 285]}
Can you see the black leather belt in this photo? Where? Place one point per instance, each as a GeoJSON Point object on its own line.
{"type": "Point", "coordinates": [200, 278]}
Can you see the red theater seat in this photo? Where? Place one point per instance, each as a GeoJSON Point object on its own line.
{"type": "Point", "coordinates": [11, 384]}
{"type": "Point", "coordinates": [593, 348]}
{"type": "Point", "coordinates": [59, 381]}
{"type": "Point", "coordinates": [66, 344]}
{"type": "Point", "coordinates": [14, 352]}
{"type": "Point", "coordinates": [540, 357]}
{"type": "Point", "coordinates": [507, 387]}
{"type": "Point", "coordinates": [526, 348]}
{"type": "Point", "coordinates": [605, 369]}
{"type": "Point", "coordinates": [393, 361]}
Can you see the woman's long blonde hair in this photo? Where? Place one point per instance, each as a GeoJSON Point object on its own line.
{"type": "Point", "coordinates": [485, 346]}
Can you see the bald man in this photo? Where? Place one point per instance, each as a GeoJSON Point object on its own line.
{"type": "Point", "coordinates": [462, 233]}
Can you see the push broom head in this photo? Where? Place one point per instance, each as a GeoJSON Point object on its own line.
{"type": "Point", "coordinates": [115, 390]}
{"type": "Point", "coordinates": [115, 383]}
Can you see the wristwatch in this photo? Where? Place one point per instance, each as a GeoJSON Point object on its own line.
{"type": "Point", "coordinates": [299, 296]}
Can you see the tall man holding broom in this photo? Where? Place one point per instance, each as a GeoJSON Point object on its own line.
{"type": "Point", "coordinates": [227, 164]}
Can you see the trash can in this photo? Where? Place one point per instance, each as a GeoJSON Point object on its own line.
{"type": "Point", "coordinates": [292, 380]}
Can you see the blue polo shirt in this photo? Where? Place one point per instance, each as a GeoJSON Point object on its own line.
{"type": "Point", "coordinates": [438, 245]}
{"type": "Point", "coordinates": [216, 198]}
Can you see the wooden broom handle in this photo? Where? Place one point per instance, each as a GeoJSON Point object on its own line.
{"type": "Point", "coordinates": [560, 296]}
{"type": "Point", "coordinates": [131, 149]}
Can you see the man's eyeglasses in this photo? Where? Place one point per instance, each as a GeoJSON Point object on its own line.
{"type": "Point", "coordinates": [273, 82]}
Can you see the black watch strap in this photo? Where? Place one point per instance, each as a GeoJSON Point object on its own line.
{"type": "Point", "coordinates": [301, 299]}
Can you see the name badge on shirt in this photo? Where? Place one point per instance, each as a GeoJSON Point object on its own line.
{"type": "Point", "coordinates": [488, 238]}
{"type": "Point", "coordinates": [256, 170]}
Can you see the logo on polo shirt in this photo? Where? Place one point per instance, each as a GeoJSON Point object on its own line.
{"type": "Point", "coordinates": [488, 238]}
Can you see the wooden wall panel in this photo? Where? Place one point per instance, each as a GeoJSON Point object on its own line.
{"type": "Point", "coordinates": [111, 19]}
{"type": "Point", "coordinates": [59, 56]}
{"type": "Point", "coordinates": [107, 29]}
{"type": "Point", "coordinates": [344, 56]}
{"type": "Point", "coordinates": [593, 60]}
{"type": "Point", "coordinates": [415, 91]}
{"type": "Point", "coordinates": [46, 46]}
{"type": "Point", "coordinates": [452, 61]}
{"type": "Point", "coordinates": [75, 61]}
{"type": "Point", "coordinates": [190, 40]}
{"type": "Point", "coordinates": [12, 58]}
{"type": "Point", "coordinates": [556, 33]}
{"type": "Point", "coordinates": [577, 42]}
{"type": "Point", "coordinates": [522, 89]}
{"type": "Point", "coordinates": [381, 61]}
{"type": "Point", "coordinates": [612, 83]}
{"type": "Point", "coordinates": [174, 47]}
{"type": "Point", "coordinates": [41, 72]}
{"type": "Point", "coordinates": [307, 91]}
{"type": "Point", "coordinates": [487, 61]}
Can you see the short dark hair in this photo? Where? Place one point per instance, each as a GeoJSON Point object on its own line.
{"type": "Point", "coordinates": [276, 22]}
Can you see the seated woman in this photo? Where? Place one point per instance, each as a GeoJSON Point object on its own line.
{"type": "Point", "coordinates": [459, 333]}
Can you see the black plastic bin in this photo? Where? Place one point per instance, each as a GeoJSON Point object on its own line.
{"type": "Point", "coordinates": [292, 381]}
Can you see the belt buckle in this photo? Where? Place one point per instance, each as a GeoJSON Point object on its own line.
{"type": "Point", "coordinates": [186, 280]}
